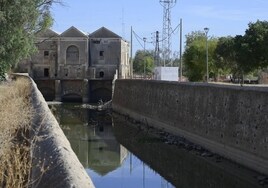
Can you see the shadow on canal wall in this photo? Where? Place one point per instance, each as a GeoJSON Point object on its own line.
{"type": "Point", "coordinates": [53, 160]}
{"type": "Point", "coordinates": [181, 167]}
{"type": "Point", "coordinates": [226, 119]}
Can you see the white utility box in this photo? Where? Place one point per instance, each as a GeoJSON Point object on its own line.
{"type": "Point", "coordinates": [166, 73]}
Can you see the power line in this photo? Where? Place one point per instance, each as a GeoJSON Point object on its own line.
{"type": "Point", "coordinates": [137, 38]}
{"type": "Point", "coordinates": [141, 39]}
{"type": "Point", "coordinates": [173, 32]}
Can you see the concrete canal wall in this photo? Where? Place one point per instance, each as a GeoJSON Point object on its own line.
{"type": "Point", "coordinates": [229, 120]}
{"type": "Point", "coordinates": [54, 162]}
{"type": "Point", "coordinates": [181, 167]}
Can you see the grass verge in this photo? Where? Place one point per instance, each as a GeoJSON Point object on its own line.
{"type": "Point", "coordinates": [15, 121]}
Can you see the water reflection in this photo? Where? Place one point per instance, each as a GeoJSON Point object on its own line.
{"type": "Point", "coordinates": [108, 163]}
{"type": "Point", "coordinates": [100, 142]}
{"type": "Point", "coordinates": [91, 136]}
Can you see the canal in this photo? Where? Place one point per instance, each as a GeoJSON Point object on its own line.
{"type": "Point", "coordinates": [119, 153]}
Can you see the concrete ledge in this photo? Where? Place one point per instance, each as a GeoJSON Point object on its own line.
{"type": "Point", "coordinates": [226, 119]}
{"type": "Point", "coordinates": [54, 162]}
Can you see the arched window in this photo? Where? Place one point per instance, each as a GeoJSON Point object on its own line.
{"type": "Point", "coordinates": [72, 54]}
{"type": "Point", "coordinates": [101, 74]}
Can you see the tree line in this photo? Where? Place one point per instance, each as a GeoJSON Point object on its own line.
{"type": "Point", "coordinates": [236, 56]}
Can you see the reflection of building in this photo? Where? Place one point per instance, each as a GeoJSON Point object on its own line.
{"type": "Point", "coordinates": [76, 65]}
{"type": "Point", "coordinates": [104, 153]}
{"type": "Point", "coordinates": [95, 144]}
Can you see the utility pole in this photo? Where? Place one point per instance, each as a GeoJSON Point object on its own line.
{"type": "Point", "coordinates": [206, 32]}
{"type": "Point", "coordinates": [181, 50]}
{"type": "Point", "coordinates": [156, 58]}
{"type": "Point", "coordinates": [131, 53]}
{"type": "Point", "coordinates": [144, 40]}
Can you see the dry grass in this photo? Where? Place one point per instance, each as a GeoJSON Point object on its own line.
{"type": "Point", "coordinates": [15, 120]}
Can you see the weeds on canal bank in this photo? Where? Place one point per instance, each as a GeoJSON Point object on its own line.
{"type": "Point", "coordinates": [15, 120]}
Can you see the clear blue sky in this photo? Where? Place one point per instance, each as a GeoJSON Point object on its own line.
{"type": "Point", "coordinates": [223, 17]}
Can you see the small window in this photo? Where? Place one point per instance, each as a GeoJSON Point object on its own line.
{"type": "Point", "coordinates": [66, 72]}
{"type": "Point", "coordinates": [46, 72]}
{"type": "Point", "coordinates": [101, 128]}
{"type": "Point", "coordinates": [101, 53]}
{"type": "Point", "coordinates": [101, 74]}
{"type": "Point", "coordinates": [96, 41]}
{"type": "Point", "coordinates": [46, 53]}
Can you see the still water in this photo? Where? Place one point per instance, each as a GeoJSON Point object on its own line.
{"type": "Point", "coordinates": [119, 154]}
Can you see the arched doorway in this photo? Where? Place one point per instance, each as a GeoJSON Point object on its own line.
{"type": "Point", "coordinates": [72, 97]}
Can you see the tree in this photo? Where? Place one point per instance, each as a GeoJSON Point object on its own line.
{"type": "Point", "coordinates": [20, 20]}
{"type": "Point", "coordinates": [256, 39]}
{"type": "Point", "coordinates": [194, 36]}
{"type": "Point", "coordinates": [224, 54]}
{"type": "Point", "coordinates": [245, 54]}
{"type": "Point", "coordinates": [232, 56]}
{"type": "Point", "coordinates": [143, 59]}
{"type": "Point", "coordinates": [195, 56]}
{"type": "Point", "coordinates": [239, 55]}
{"type": "Point", "coordinates": [242, 56]}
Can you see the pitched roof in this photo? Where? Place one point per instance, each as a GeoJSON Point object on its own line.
{"type": "Point", "coordinates": [47, 33]}
{"type": "Point", "coordinates": [73, 32]}
{"type": "Point", "coordinates": [104, 33]}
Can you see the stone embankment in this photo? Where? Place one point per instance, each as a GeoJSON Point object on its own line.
{"type": "Point", "coordinates": [54, 162]}
{"type": "Point", "coordinates": [225, 119]}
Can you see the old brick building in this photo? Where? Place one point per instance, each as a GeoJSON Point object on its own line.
{"type": "Point", "coordinates": [77, 66]}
